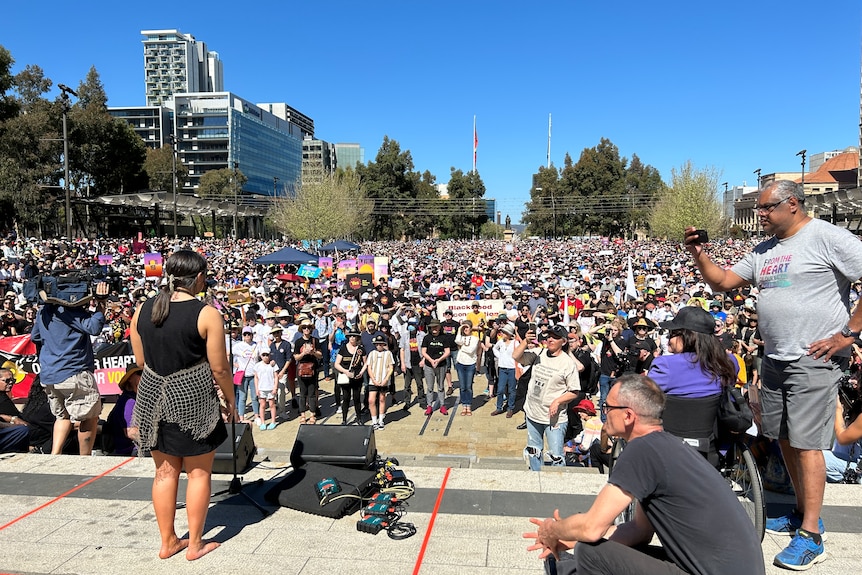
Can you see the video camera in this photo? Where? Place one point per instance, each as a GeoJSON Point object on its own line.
{"type": "Point", "coordinates": [850, 396]}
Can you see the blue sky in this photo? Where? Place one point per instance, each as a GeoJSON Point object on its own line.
{"type": "Point", "coordinates": [734, 85]}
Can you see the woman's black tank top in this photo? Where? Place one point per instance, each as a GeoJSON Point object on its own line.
{"type": "Point", "coordinates": [176, 344]}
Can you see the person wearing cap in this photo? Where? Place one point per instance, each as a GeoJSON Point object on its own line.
{"type": "Point", "coordinates": [380, 367]}
{"type": "Point", "coordinates": [245, 354]}
{"type": "Point", "coordinates": [119, 428]}
{"type": "Point", "coordinates": [506, 380]}
{"type": "Point", "coordinates": [476, 317]}
{"type": "Point", "coordinates": [553, 384]}
{"type": "Point", "coordinates": [350, 365]}
{"type": "Point", "coordinates": [640, 347]}
{"type": "Point", "coordinates": [15, 430]}
{"type": "Point", "coordinates": [450, 330]}
{"type": "Point", "coordinates": [322, 330]}
{"type": "Point", "coordinates": [337, 338]}
{"type": "Point", "coordinates": [411, 363]}
{"type": "Point", "coordinates": [67, 362]}
{"type": "Point", "coordinates": [281, 353]}
{"type": "Point", "coordinates": [368, 334]}
{"type": "Point", "coordinates": [435, 349]}
{"type": "Point", "coordinates": [265, 378]}
{"type": "Point", "coordinates": [578, 438]}
{"type": "Point", "coordinates": [698, 367]}
{"type": "Point", "coordinates": [307, 353]}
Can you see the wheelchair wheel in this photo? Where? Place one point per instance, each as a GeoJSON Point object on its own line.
{"type": "Point", "coordinates": [743, 476]}
{"type": "Point", "coordinates": [629, 513]}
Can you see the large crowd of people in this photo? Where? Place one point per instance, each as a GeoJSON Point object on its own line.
{"type": "Point", "coordinates": [571, 318]}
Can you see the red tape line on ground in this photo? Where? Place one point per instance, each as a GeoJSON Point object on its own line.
{"type": "Point", "coordinates": [431, 523]}
{"type": "Point", "coordinates": [59, 497]}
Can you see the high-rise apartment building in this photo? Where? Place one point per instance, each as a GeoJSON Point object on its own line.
{"type": "Point", "coordinates": [154, 124]}
{"type": "Point", "coordinates": [176, 63]}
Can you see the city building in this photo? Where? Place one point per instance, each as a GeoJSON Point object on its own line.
{"type": "Point", "coordinates": [348, 155]}
{"type": "Point", "coordinates": [221, 130]}
{"type": "Point", "coordinates": [729, 197]}
{"type": "Point", "coordinates": [154, 124]}
{"type": "Point", "coordinates": [318, 159]}
{"type": "Point", "coordinates": [177, 63]}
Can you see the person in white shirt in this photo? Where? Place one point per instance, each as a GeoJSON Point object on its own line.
{"type": "Point", "coordinates": [506, 380]}
{"type": "Point", "coordinates": [381, 365]}
{"type": "Point", "coordinates": [264, 381]}
{"type": "Point", "coordinates": [465, 364]}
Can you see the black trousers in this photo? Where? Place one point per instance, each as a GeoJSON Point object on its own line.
{"type": "Point", "coordinates": [612, 558]}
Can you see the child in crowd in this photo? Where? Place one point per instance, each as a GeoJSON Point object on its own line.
{"type": "Point", "coordinates": [264, 380]}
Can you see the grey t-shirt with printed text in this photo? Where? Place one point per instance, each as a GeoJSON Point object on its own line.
{"type": "Point", "coordinates": [804, 286]}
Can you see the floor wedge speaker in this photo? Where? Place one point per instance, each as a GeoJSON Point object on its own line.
{"type": "Point", "coordinates": [245, 450]}
{"type": "Point", "coordinates": [344, 445]}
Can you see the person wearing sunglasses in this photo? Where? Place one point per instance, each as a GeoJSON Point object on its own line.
{"type": "Point", "coordinates": [14, 432]}
{"type": "Point", "coordinates": [803, 271]}
{"type": "Point", "coordinates": [554, 382]}
{"type": "Point", "coordinates": [681, 499]}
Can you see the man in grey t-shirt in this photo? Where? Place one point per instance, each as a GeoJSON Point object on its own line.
{"type": "Point", "coordinates": [803, 273]}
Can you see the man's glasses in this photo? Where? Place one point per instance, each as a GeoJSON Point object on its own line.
{"type": "Point", "coordinates": [767, 208]}
{"type": "Point", "coordinates": [608, 407]}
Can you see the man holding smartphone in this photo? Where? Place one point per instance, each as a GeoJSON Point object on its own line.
{"type": "Point", "coordinates": [803, 272]}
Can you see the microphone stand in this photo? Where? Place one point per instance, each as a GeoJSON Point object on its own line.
{"type": "Point", "coordinates": [236, 486]}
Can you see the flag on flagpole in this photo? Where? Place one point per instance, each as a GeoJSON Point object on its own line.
{"type": "Point", "coordinates": [566, 310]}
{"type": "Point", "coordinates": [631, 290]}
{"type": "Point", "coordinates": [475, 143]}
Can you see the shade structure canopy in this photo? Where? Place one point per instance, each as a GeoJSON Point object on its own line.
{"type": "Point", "coordinates": [287, 255]}
{"type": "Point", "coordinates": [339, 246]}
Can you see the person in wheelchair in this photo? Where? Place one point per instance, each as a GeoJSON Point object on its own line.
{"type": "Point", "coordinates": [693, 378]}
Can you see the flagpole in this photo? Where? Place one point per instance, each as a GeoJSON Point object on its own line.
{"type": "Point", "coordinates": [549, 140]}
{"type": "Point", "coordinates": [475, 143]}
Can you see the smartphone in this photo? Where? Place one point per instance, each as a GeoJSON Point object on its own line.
{"type": "Point", "coordinates": [701, 237]}
{"type": "Point", "coordinates": [532, 327]}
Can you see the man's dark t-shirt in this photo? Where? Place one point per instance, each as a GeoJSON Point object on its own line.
{"type": "Point", "coordinates": [700, 523]}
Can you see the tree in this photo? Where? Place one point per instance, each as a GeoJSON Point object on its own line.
{"type": "Point", "coordinates": [159, 167]}
{"type": "Point", "coordinates": [30, 154]}
{"type": "Point", "coordinates": [219, 184]}
{"type": "Point", "coordinates": [105, 154]}
{"type": "Point", "coordinates": [390, 182]}
{"type": "Point", "coordinates": [467, 211]}
{"type": "Point", "coordinates": [691, 200]}
{"type": "Point", "coordinates": [334, 207]}
{"type": "Point", "coordinates": [8, 104]}
{"type": "Point", "coordinates": [541, 214]}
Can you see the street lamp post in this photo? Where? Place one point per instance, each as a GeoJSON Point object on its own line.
{"type": "Point", "coordinates": [174, 181]}
{"type": "Point", "coordinates": [757, 173]}
{"type": "Point", "coordinates": [235, 197]}
{"type": "Point", "coordinates": [65, 96]}
{"type": "Point", "coordinates": [802, 153]}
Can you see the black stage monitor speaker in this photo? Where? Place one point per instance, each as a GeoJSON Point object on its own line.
{"type": "Point", "coordinates": [344, 445]}
{"type": "Point", "coordinates": [245, 451]}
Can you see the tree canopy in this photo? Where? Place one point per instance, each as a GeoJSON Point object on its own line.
{"type": "Point", "coordinates": [690, 200]}
{"type": "Point", "coordinates": [602, 193]}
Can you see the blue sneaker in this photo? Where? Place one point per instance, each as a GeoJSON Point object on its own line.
{"type": "Point", "coordinates": [788, 524]}
{"type": "Point", "coordinates": [801, 554]}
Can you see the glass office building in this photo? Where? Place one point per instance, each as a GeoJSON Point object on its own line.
{"type": "Point", "coordinates": [221, 130]}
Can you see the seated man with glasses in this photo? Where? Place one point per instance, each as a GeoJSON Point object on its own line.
{"type": "Point", "coordinates": [681, 498]}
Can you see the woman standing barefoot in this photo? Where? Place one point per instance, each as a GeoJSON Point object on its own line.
{"type": "Point", "coordinates": [180, 343]}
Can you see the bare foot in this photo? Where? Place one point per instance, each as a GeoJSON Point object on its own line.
{"type": "Point", "coordinates": [172, 549]}
{"type": "Point", "coordinates": [208, 546]}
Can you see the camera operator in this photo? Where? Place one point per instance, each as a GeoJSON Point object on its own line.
{"type": "Point", "coordinates": [842, 460]}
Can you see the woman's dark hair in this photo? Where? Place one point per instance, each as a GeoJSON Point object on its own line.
{"type": "Point", "coordinates": [711, 355]}
{"type": "Point", "coordinates": [182, 270]}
